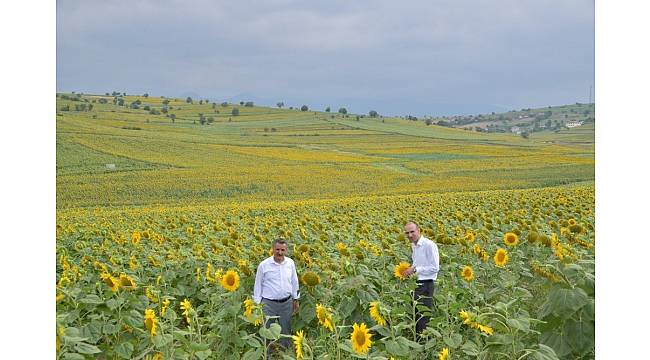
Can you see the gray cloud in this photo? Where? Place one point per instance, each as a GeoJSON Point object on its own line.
{"type": "Point", "coordinates": [418, 57]}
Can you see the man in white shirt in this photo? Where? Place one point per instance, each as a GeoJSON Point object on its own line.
{"type": "Point", "coordinates": [276, 287]}
{"type": "Point", "coordinates": [426, 264]}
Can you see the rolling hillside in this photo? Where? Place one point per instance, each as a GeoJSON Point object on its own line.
{"type": "Point", "coordinates": [136, 150]}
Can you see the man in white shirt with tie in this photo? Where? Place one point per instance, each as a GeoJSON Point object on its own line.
{"type": "Point", "coordinates": [276, 287]}
{"type": "Point", "coordinates": [426, 264]}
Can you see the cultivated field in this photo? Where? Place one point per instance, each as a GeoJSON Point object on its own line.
{"type": "Point", "coordinates": [161, 223]}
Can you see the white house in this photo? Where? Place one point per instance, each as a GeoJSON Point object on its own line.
{"type": "Point", "coordinates": [575, 123]}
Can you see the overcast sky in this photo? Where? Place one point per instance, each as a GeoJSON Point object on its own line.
{"type": "Point", "coordinates": [395, 57]}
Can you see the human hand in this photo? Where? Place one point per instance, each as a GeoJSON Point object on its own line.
{"type": "Point", "coordinates": [410, 271]}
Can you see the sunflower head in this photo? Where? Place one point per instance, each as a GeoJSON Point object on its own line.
{"type": "Point", "coordinates": [127, 282]}
{"type": "Point", "coordinates": [376, 314]}
{"type": "Point", "coordinates": [310, 278]}
{"type": "Point", "coordinates": [467, 273]}
{"type": "Point", "coordinates": [400, 269]}
{"type": "Point", "coordinates": [444, 354]}
{"type": "Point", "coordinates": [112, 282]}
{"type": "Point", "coordinates": [511, 239]}
{"type": "Point", "coordinates": [501, 257]}
{"type": "Point", "coordinates": [360, 338]}
{"type": "Point", "coordinates": [230, 280]}
{"type": "Point", "coordinates": [150, 321]}
{"type": "Point", "coordinates": [303, 248]}
{"type": "Point", "coordinates": [297, 342]}
{"type": "Point", "coordinates": [324, 317]}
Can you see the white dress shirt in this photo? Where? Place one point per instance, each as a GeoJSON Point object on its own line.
{"type": "Point", "coordinates": [276, 281]}
{"type": "Point", "coordinates": [425, 259]}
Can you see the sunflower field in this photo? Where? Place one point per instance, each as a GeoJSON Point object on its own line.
{"type": "Point", "coordinates": [516, 279]}
{"type": "Point", "coordinates": [161, 221]}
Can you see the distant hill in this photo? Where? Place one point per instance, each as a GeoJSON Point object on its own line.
{"type": "Point", "coordinates": [524, 121]}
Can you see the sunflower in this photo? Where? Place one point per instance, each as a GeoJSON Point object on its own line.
{"type": "Point", "coordinates": [477, 249]}
{"type": "Point", "coordinates": [572, 221]}
{"type": "Point", "coordinates": [166, 303]}
{"type": "Point", "coordinates": [470, 236]}
{"type": "Point", "coordinates": [158, 356]}
{"type": "Point", "coordinates": [150, 321]}
{"type": "Point", "coordinates": [360, 338]}
{"type": "Point", "coordinates": [297, 341]}
{"type": "Point", "coordinates": [248, 307]}
{"type": "Point", "coordinates": [484, 328]}
{"type": "Point", "coordinates": [186, 306]}
{"type": "Point", "coordinates": [135, 238]}
{"type": "Point", "coordinates": [230, 280]}
{"type": "Point", "coordinates": [501, 257]}
{"type": "Point", "coordinates": [400, 269]}
{"type": "Point", "coordinates": [444, 354]}
{"type": "Point", "coordinates": [311, 278]}
{"type": "Point", "coordinates": [375, 314]}
{"type": "Point", "coordinates": [511, 239]}
{"type": "Point", "coordinates": [127, 282]}
{"type": "Point", "coordinates": [112, 282]}
{"type": "Point", "coordinates": [324, 317]}
{"type": "Point", "coordinates": [467, 273]}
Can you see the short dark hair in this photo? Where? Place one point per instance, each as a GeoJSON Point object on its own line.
{"type": "Point", "coordinates": [280, 241]}
{"type": "Point", "coordinates": [412, 222]}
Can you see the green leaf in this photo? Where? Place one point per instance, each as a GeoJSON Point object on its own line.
{"type": "Point", "coordinates": [564, 302]}
{"type": "Point", "coordinates": [579, 335]}
{"type": "Point", "coordinates": [271, 333]}
{"type": "Point", "coordinates": [499, 339]}
{"type": "Point", "coordinates": [73, 356]}
{"type": "Point", "coordinates": [470, 348]}
{"type": "Point", "coordinates": [124, 350]}
{"type": "Point", "coordinates": [544, 353]}
{"type": "Point", "coordinates": [307, 313]}
{"type": "Point", "coordinates": [199, 347]}
{"type": "Point", "coordinates": [109, 329]}
{"type": "Point", "coordinates": [253, 354]}
{"type": "Point", "coordinates": [160, 341]}
{"type": "Point", "coordinates": [395, 348]}
{"type": "Point", "coordinates": [557, 342]}
{"type": "Point", "coordinates": [85, 348]}
{"type": "Point", "coordinates": [522, 324]}
{"type": "Point", "coordinates": [203, 354]}
{"type": "Point", "coordinates": [91, 299]}
{"type": "Point", "coordinates": [253, 342]}
{"type": "Point", "coordinates": [113, 304]}
{"type": "Point", "coordinates": [453, 341]}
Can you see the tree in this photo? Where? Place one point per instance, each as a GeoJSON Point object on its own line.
{"type": "Point", "coordinates": [304, 108]}
{"type": "Point", "coordinates": [188, 100]}
{"type": "Point", "coordinates": [280, 104]}
{"type": "Point", "coordinates": [200, 102]}
{"type": "Point", "coordinates": [235, 112]}
{"type": "Point", "coordinates": [145, 95]}
{"type": "Point", "coordinates": [224, 104]}
{"type": "Point", "coordinates": [202, 119]}
{"type": "Point", "coordinates": [343, 111]}
{"type": "Point", "coordinates": [373, 113]}
{"type": "Point", "coordinates": [327, 109]}
{"type": "Point", "coordinates": [249, 104]}
{"type": "Point", "coordinates": [120, 102]}
{"type": "Point", "coordinates": [428, 121]}
{"type": "Point", "coordinates": [241, 103]}
{"type": "Point", "coordinates": [173, 117]}
{"type": "Point", "coordinates": [525, 134]}
{"type": "Point", "coordinates": [165, 102]}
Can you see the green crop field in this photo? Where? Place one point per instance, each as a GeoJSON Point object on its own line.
{"type": "Point", "coordinates": [164, 209]}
